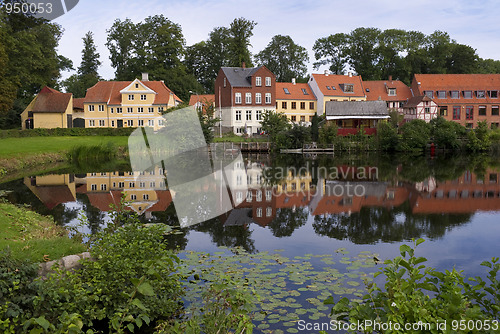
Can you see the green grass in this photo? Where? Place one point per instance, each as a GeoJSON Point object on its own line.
{"type": "Point", "coordinates": [18, 147]}
{"type": "Point", "coordinates": [32, 236]}
{"type": "Point", "coordinates": [238, 139]}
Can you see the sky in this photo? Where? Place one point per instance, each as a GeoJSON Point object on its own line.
{"type": "Point", "coordinates": [472, 22]}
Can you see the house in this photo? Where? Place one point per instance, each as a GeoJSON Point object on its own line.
{"type": "Point", "coordinates": [201, 102]}
{"type": "Point", "coordinates": [118, 104]}
{"type": "Point", "coordinates": [463, 98]}
{"type": "Point", "coordinates": [333, 87]}
{"type": "Point", "coordinates": [394, 92]}
{"type": "Point", "coordinates": [242, 95]}
{"type": "Point", "coordinates": [49, 109]}
{"type": "Point", "coordinates": [296, 101]}
{"type": "Point", "coordinates": [351, 116]}
{"type": "Point", "coordinates": [420, 107]}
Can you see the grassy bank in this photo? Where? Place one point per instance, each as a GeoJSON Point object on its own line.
{"type": "Point", "coordinates": [32, 236]}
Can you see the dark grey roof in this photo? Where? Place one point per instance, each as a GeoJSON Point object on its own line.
{"type": "Point", "coordinates": [416, 100]}
{"type": "Point", "coordinates": [239, 76]}
{"type": "Point", "coordinates": [356, 108]}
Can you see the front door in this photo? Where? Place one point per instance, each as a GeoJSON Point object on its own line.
{"type": "Point", "coordinates": [119, 123]}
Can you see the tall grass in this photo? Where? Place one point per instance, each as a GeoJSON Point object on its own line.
{"type": "Point", "coordinates": [92, 155]}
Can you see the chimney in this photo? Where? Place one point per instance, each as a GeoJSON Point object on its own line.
{"type": "Point", "coordinates": [293, 81]}
{"type": "Point", "coordinates": [145, 77]}
{"type": "Point", "coordinates": [350, 74]}
{"type": "Point", "coordinates": [390, 77]}
{"type": "Point", "coordinates": [243, 65]}
{"type": "Point", "coordinates": [327, 72]}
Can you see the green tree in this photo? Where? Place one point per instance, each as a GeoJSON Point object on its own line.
{"type": "Point", "coordinates": [415, 135]}
{"type": "Point", "coordinates": [446, 134]}
{"type": "Point", "coordinates": [363, 52]}
{"type": "Point", "coordinates": [240, 32]}
{"type": "Point", "coordinates": [273, 123]}
{"type": "Point", "coordinates": [284, 58]}
{"type": "Point", "coordinates": [387, 136]}
{"type": "Point", "coordinates": [463, 60]}
{"type": "Point", "coordinates": [332, 51]}
{"type": "Point", "coordinates": [328, 133]}
{"type": "Point", "coordinates": [315, 128]}
{"type": "Point", "coordinates": [120, 43]}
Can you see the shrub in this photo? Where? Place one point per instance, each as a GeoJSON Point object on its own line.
{"type": "Point", "coordinates": [415, 135]}
{"type": "Point", "coordinates": [387, 137]}
{"type": "Point", "coordinates": [92, 155]}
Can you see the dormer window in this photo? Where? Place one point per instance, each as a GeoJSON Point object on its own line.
{"type": "Point", "coordinates": [441, 94]}
{"type": "Point", "coordinates": [480, 94]}
{"type": "Point", "coordinates": [467, 94]}
{"type": "Point", "coordinates": [328, 87]}
{"type": "Point", "coordinates": [493, 94]}
{"type": "Point", "coordinates": [348, 88]}
{"type": "Point", "coordinates": [429, 94]}
{"type": "Point", "coordinates": [455, 94]}
{"type": "Point", "coordinates": [392, 91]}
{"type": "Point", "coordinates": [304, 91]}
{"type": "Point", "coordinates": [286, 91]}
{"type": "Point", "coordinates": [258, 81]}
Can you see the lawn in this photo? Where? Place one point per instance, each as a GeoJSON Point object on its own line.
{"type": "Point", "coordinates": [32, 236]}
{"type": "Point", "coordinates": [18, 147]}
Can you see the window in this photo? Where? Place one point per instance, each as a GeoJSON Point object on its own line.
{"type": "Point", "coordinates": [311, 105]}
{"type": "Point", "coordinates": [238, 115]}
{"type": "Point", "coordinates": [131, 97]}
{"type": "Point", "coordinates": [494, 110]}
{"type": "Point", "coordinates": [136, 85]}
{"type": "Point", "coordinates": [143, 97]}
{"type": "Point", "coordinates": [258, 115]}
{"type": "Point", "coordinates": [140, 122]}
{"type": "Point", "coordinates": [269, 211]}
{"type": "Point", "coordinates": [249, 115]}
{"type": "Point", "coordinates": [160, 122]}
{"type": "Point", "coordinates": [427, 110]}
{"type": "Point", "coordinates": [294, 118]}
{"type": "Point", "coordinates": [160, 109]}
{"type": "Point", "coordinates": [456, 112]}
{"type": "Point", "coordinates": [480, 94]}
{"type": "Point", "coordinates": [469, 125]}
{"type": "Point", "coordinates": [283, 105]}
{"type": "Point", "coordinates": [112, 124]}
{"type": "Point", "coordinates": [93, 187]}
{"type": "Point", "coordinates": [237, 98]}
{"type": "Point", "coordinates": [493, 94]}
{"type": "Point", "coordinates": [392, 91]}
{"type": "Point", "coordinates": [258, 193]}
{"type": "Point", "coordinates": [302, 118]}
{"type": "Point", "coordinates": [248, 98]}
{"type": "Point", "coordinates": [130, 122]}
{"type": "Point", "coordinates": [294, 105]}
{"type": "Point", "coordinates": [429, 93]}
{"type": "Point", "coordinates": [140, 109]}
{"type": "Point", "coordinates": [133, 197]}
{"type": "Point", "coordinates": [145, 197]}
{"type": "Point", "coordinates": [258, 98]}
{"type": "Point", "coordinates": [469, 112]}
{"type": "Point", "coordinates": [101, 107]}
{"type": "Point", "coordinates": [302, 105]}
{"type": "Point", "coordinates": [119, 110]}
{"type": "Point", "coordinates": [304, 91]}
{"type": "Point", "coordinates": [268, 81]}
{"type": "Point", "coordinates": [239, 130]}
{"type": "Point", "coordinates": [443, 111]}
{"type": "Point", "coordinates": [151, 110]}
{"type": "Point", "coordinates": [482, 111]}
{"type": "Point", "coordinates": [258, 81]}
{"type": "Point", "coordinates": [311, 118]}
{"type": "Point", "coordinates": [333, 88]}
{"type": "Point", "coordinates": [130, 110]}
{"type": "Point", "coordinates": [286, 91]}
{"type": "Point", "coordinates": [268, 98]}
{"type": "Point", "coordinates": [258, 212]}
{"type": "Point", "coordinates": [104, 187]}
{"type": "Point", "coordinates": [121, 184]}
{"type": "Point", "coordinates": [348, 88]}
{"type": "Point", "coordinates": [151, 122]}
{"type": "Point", "coordinates": [249, 196]}
{"type": "Point", "coordinates": [131, 184]}
{"type": "Point", "coordinates": [441, 94]}
{"type": "Point", "coordinates": [91, 122]}
{"type": "Point", "coordinates": [101, 122]}
{"type": "Point", "coordinates": [455, 94]}
{"type": "Point", "coordinates": [467, 94]}
{"type": "Point", "coordinates": [91, 107]}
{"type": "Point", "coordinates": [224, 82]}
{"type": "Point", "coordinates": [328, 87]}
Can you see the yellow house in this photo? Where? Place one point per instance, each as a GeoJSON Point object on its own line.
{"type": "Point", "coordinates": [52, 190]}
{"type": "Point", "coordinates": [333, 87]}
{"type": "Point", "coordinates": [296, 101]}
{"type": "Point", "coordinates": [135, 103]}
{"type": "Point", "coordinates": [49, 109]}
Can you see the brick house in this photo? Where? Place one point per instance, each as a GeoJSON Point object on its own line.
{"type": "Point", "coordinates": [394, 92]}
{"type": "Point", "coordinates": [241, 96]}
{"type": "Point", "coordinates": [463, 98]}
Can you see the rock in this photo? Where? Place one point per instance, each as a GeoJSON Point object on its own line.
{"type": "Point", "coordinates": [71, 262]}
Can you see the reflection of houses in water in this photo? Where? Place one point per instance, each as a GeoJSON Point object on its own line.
{"type": "Point", "coordinates": [468, 193]}
{"type": "Point", "coordinates": [145, 191]}
{"type": "Point", "coordinates": [52, 190]}
{"type": "Point", "coordinates": [348, 197]}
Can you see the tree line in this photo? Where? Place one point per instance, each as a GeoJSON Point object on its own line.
{"type": "Point", "coordinates": [29, 57]}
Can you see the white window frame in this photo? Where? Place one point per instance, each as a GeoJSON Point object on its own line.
{"type": "Point", "coordinates": [143, 97]}
{"type": "Point", "coordinates": [248, 98]}
{"type": "Point", "coordinates": [248, 114]}
{"type": "Point", "coordinates": [268, 98]}
{"type": "Point", "coordinates": [140, 110]}
{"type": "Point", "coordinates": [268, 81]}
{"type": "Point", "coordinates": [151, 109]}
{"type": "Point", "coordinates": [238, 116]}
{"type": "Point", "coordinates": [101, 122]}
{"type": "Point", "coordinates": [101, 107]}
{"type": "Point", "coordinates": [140, 122]}
{"type": "Point", "coordinates": [258, 115]}
{"type": "Point", "coordinates": [91, 107]}
{"type": "Point", "coordinates": [130, 110]}
{"type": "Point", "coordinates": [258, 98]}
{"type": "Point", "coordinates": [131, 97]}
{"type": "Point", "coordinates": [151, 122]}
{"type": "Point", "coordinates": [130, 122]}
{"type": "Point", "coordinates": [237, 98]}
{"type": "Point", "coordinates": [91, 122]}
{"type": "Point", "coordinates": [258, 81]}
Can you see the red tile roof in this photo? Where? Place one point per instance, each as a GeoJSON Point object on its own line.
{"type": "Point", "coordinates": [335, 80]}
{"type": "Point", "coordinates": [379, 89]}
{"type": "Point", "coordinates": [296, 92]}
{"type": "Point", "coordinates": [457, 82]}
{"type": "Point", "coordinates": [415, 101]}
{"type": "Point", "coordinates": [52, 196]}
{"type": "Point", "coordinates": [51, 100]}
{"type": "Point", "coordinates": [78, 103]}
{"type": "Point", "coordinates": [204, 99]}
{"type": "Point", "coordinates": [109, 92]}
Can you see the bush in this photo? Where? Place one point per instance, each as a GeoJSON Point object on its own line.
{"type": "Point", "coordinates": [414, 293]}
{"type": "Point", "coordinates": [57, 132]}
{"type": "Point", "coordinates": [415, 135]}
{"type": "Point", "coordinates": [92, 155]}
{"type": "Point", "coordinates": [387, 137]}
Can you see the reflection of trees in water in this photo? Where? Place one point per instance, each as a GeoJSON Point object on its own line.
{"type": "Point", "coordinates": [228, 236]}
{"type": "Point", "coordinates": [374, 224]}
{"type": "Point", "coordinates": [288, 220]}
{"type": "Point", "coordinates": [95, 217]}
{"type": "Point", "coordinates": [169, 217]}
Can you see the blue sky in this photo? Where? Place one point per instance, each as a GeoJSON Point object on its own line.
{"type": "Point", "coordinates": [473, 23]}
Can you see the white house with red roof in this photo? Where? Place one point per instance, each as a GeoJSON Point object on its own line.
{"type": "Point", "coordinates": [420, 107]}
{"type": "Point", "coordinates": [333, 87]}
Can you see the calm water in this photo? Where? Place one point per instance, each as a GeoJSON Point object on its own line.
{"type": "Point", "coordinates": [309, 205]}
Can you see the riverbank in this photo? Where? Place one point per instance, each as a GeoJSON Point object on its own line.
{"type": "Point", "coordinates": [31, 236]}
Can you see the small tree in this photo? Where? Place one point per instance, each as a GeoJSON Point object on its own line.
{"type": "Point", "coordinates": [387, 137]}
{"type": "Point", "coordinates": [273, 123]}
{"type": "Point", "coordinates": [415, 135]}
{"type": "Point", "coordinates": [328, 133]}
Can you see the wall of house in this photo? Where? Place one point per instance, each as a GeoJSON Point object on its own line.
{"type": "Point", "coordinates": [307, 113]}
{"type": "Point", "coordinates": [49, 120]}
